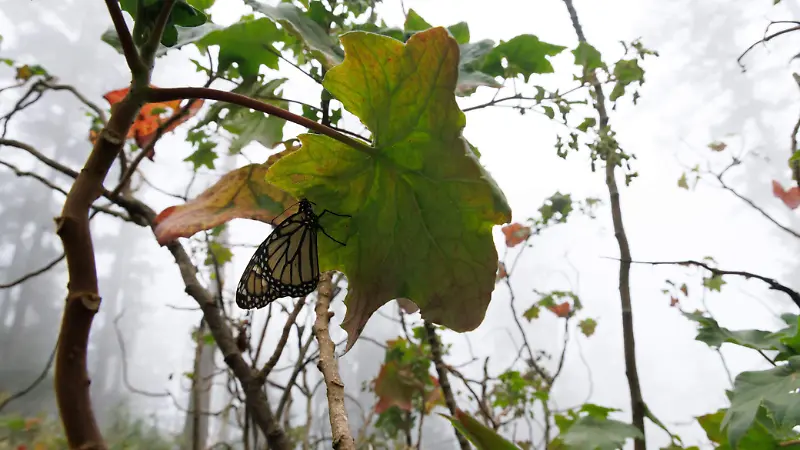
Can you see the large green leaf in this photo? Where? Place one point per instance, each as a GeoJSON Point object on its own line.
{"type": "Point", "coordinates": [422, 206]}
{"type": "Point", "coordinates": [756, 437]}
{"type": "Point", "coordinates": [594, 433]}
{"type": "Point", "coordinates": [478, 434]}
{"type": "Point", "coordinates": [524, 54]}
{"type": "Point", "coordinates": [774, 389]}
{"type": "Point", "coordinates": [309, 32]}
{"type": "Point", "coordinates": [247, 43]}
{"type": "Point", "coordinates": [712, 334]}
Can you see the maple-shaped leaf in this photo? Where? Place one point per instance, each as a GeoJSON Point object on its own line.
{"type": "Point", "coordinates": [151, 117]}
{"type": "Point", "coordinates": [587, 326]}
{"type": "Point", "coordinates": [248, 43]}
{"type": "Point", "coordinates": [774, 389]}
{"type": "Point", "coordinates": [397, 385]}
{"type": "Point", "coordinates": [515, 234]}
{"type": "Point", "coordinates": [593, 433]}
{"type": "Point", "coordinates": [241, 193]}
{"type": "Point", "coordinates": [790, 198]}
{"type": "Point", "coordinates": [524, 54]}
{"type": "Point", "coordinates": [481, 436]}
{"type": "Point", "coordinates": [713, 335]}
{"type": "Point", "coordinates": [755, 438]}
{"type": "Point", "coordinates": [421, 206]}
{"type": "Point", "coordinates": [561, 309]}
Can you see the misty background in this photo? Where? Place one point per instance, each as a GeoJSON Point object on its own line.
{"type": "Point", "coordinates": [695, 93]}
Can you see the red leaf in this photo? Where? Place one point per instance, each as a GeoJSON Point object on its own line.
{"type": "Point", "coordinates": [515, 234]}
{"type": "Point", "coordinates": [790, 198]}
{"type": "Point", "coordinates": [673, 301]}
{"type": "Point", "coordinates": [151, 116]}
{"type": "Point", "coordinates": [561, 310]}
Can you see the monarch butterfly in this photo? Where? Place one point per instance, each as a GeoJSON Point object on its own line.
{"type": "Point", "coordinates": [286, 263]}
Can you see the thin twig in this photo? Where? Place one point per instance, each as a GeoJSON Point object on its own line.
{"type": "Point", "coordinates": [124, 359]}
{"type": "Point", "coordinates": [276, 355]}
{"type": "Point", "coordinates": [337, 413]}
{"type": "Point", "coordinates": [441, 370]}
{"type": "Point", "coordinates": [764, 40]}
{"type": "Point", "coordinates": [33, 274]}
{"type": "Point", "coordinates": [35, 382]}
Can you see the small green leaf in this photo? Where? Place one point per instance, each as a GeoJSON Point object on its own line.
{"type": "Point", "coordinates": [203, 156]}
{"type": "Point", "coordinates": [525, 55]}
{"type": "Point", "coordinates": [587, 56]}
{"type": "Point", "coordinates": [591, 433]}
{"type": "Point", "coordinates": [713, 335]}
{"type": "Point", "coordinates": [549, 112]}
{"type": "Point", "coordinates": [682, 182]}
{"type": "Point", "coordinates": [532, 312]}
{"type": "Point", "coordinates": [247, 43]}
{"type": "Point", "coordinates": [587, 326]}
{"type": "Point", "coordinates": [482, 437]}
{"type": "Point", "coordinates": [714, 282]}
{"type": "Point", "coordinates": [587, 123]}
{"type": "Point", "coordinates": [626, 71]}
{"type": "Point", "coordinates": [460, 32]}
{"type": "Point", "coordinates": [471, 57]}
{"type": "Point", "coordinates": [218, 253]}
{"type": "Point", "coordinates": [415, 22]}
{"type": "Point", "coordinates": [202, 5]}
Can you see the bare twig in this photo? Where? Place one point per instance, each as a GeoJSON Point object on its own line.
{"type": "Point", "coordinates": [124, 359]}
{"type": "Point", "coordinates": [638, 407]}
{"type": "Point", "coordinates": [262, 375]}
{"type": "Point", "coordinates": [340, 429]}
{"type": "Point", "coordinates": [33, 274]}
{"type": "Point", "coordinates": [764, 40]}
{"type": "Point", "coordinates": [441, 370]}
{"type": "Point", "coordinates": [774, 285]}
{"type": "Point", "coordinates": [34, 383]}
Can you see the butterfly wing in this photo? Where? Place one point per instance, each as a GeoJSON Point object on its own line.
{"type": "Point", "coordinates": [284, 265]}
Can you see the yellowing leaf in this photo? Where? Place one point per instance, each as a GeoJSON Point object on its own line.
{"type": "Point", "coordinates": [422, 207]}
{"type": "Point", "coordinates": [241, 193]}
{"type": "Point", "coordinates": [396, 385]}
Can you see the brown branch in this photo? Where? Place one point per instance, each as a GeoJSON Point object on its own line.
{"type": "Point", "coordinates": [441, 370]}
{"type": "Point", "coordinates": [91, 105]}
{"type": "Point", "coordinates": [340, 429]}
{"type": "Point", "coordinates": [135, 63]}
{"type": "Point", "coordinates": [638, 407]}
{"type": "Point", "coordinates": [171, 94]}
{"type": "Point", "coordinates": [33, 274]}
{"type": "Point", "coordinates": [302, 361]}
{"type": "Point", "coordinates": [764, 40]}
{"type": "Point", "coordinates": [150, 47]}
{"type": "Point", "coordinates": [773, 285]}
{"type": "Point", "coordinates": [23, 173]}
{"type": "Point", "coordinates": [752, 204]}
{"type": "Point", "coordinates": [40, 156]}
{"type": "Point", "coordinates": [35, 382]}
{"type": "Point", "coordinates": [287, 327]}
{"type": "Point", "coordinates": [255, 397]}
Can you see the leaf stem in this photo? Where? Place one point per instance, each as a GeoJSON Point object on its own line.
{"type": "Point", "coordinates": [169, 94]}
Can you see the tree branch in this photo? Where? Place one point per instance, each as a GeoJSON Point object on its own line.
{"type": "Point", "coordinates": [170, 94]}
{"type": "Point", "coordinates": [441, 370]}
{"type": "Point", "coordinates": [638, 407]}
{"type": "Point", "coordinates": [764, 40]}
{"type": "Point", "coordinates": [774, 285]}
{"type": "Point", "coordinates": [33, 274]}
{"type": "Point", "coordinates": [342, 438]}
{"type": "Point", "coordinates": [287, 327]}
{"type": "Point", "coordinates": [255, 396]}
{"type": "Point", "coordinates": [135, 63]}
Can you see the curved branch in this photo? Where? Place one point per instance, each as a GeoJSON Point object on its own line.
{"type": "Point", "coordinates": [125, 39]}
{"type": "Point", "coordinates": [774, 285]}
{"type": "Point", "coordinates": [33, 274]}
{"type": "Point", "coordinates": [171, 94]}
{"type": "Point", "coordinates": [35, 382]}
{"type": "Point", "coordinates": [764, 40]}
